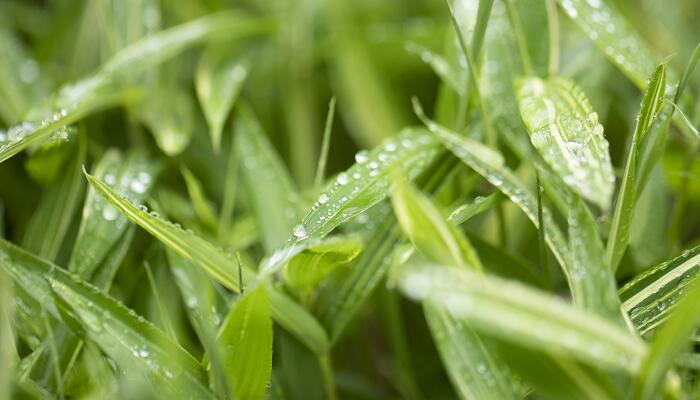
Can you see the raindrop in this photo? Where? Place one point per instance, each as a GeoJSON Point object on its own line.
{"type": "Point", "coordinates": [300, 232]}
{"type": "Point", "coordinates": [342, 178]}
{"type": "Point", "coordinates": [323, 198]}
{"type": "Point", "coordinates": [361, 157]}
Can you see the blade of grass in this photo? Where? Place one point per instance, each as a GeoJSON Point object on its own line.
{"type": "Point", "coordinates": [652, 295]}
{"type": "Point", "coordinates": [618, 237]}
{"type": "Point", "coordinates": [325, 145]}
{"type": "Point", "coordinates": [219, 80]}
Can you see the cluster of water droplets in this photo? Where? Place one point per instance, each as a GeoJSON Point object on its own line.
{"type": "Point", "coordinates": [132, 183]}
{"type": "Point", "coordinates": [368, 181]}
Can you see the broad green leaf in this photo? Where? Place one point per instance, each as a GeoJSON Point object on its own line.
{"type": "Point", "coordinates": [273, 194]}
{"type": "Point", "coordinates": [530, 318]}
{"type": "Point", "coordinates": [614, 36]}
{"type": "Point", "coordinates": [565, 131]}
{"type": "Point", "coordinates": [52, 218]}
{"type": "Point", "coordinates": [306, 269]}
{"type": "Point", "coordinates": [649, 298]}
{"type": "Point", "coordinates": [618, 238]}
{"type": "Point", "coordinates": [218, 81]}
{"type": "Point", "coordinates": [218, 265]}
{"type": "Point", "coordinates": [367, 182]}
{"type": "Point", "coordinates": [200, 203]}
{"type": "Point", "coordinates": [246, 336]}
{"type": "Point", "coordinates": [668, 342]}
{"type": "Point", "coordinates": [131, 341]}
{"type": "Point", "coordinates": [74, 101]}
{"type": "Point", "coordinates": [585, 285]}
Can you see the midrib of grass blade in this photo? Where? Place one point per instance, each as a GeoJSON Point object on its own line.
{"type": "Point", "coordinates": [74, 101]}
{"type": "Point", "coordinates": [516, 313]}
{"type": "Point", "coordinates": [565, 131]}
{"type": "Point", "coordinates": [131, 341]}
{"type": "Point", "coordinates": [649, 298]}
{"type": "Point", "coordinates": [618, 238]}
{"type": "Point", "coordinates": [584, 284]}
{"type": "Point", "coordinates": [52, 217]}
{"type": "Point", "coordinates": [222, 268]}
{"type": "Point", "coordinates": [614, 36]}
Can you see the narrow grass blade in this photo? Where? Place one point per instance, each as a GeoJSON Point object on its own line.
{"type": "Point", "coordinates": [614, 36]}
{"type": "Point", "coordinates": [367, 181]}
{"type": "Point", "coordinates": [651, 296]}
{"type": "Point", "coordinates": [308, 268]}
{"type": "Point", "coordinates": [426, 227]}
{"type": "Point", "coordinates": [53, 216]}
{"type": "Point", "coordinates": [74, 101]}
{"type": "Point", "coordinates": [200, 203]}
{"type": "Point", "coordinates": [475, 373]}
{"type": "Point", "coordinates": [584, 284]}
{"type": "Point", "coordinates": [588, 254]}
{"type": "Point", "coordinates": [219, 80]}
{"type": "Point", "coordinates": [215, 263]}
{"type": "Point", "coordinates": [246, 337]}
{"type": "Point", "coordinates": [168, 112]}
{"type": "Point", "coordinates": [668, 342]}
{"type": "Point", "coordinates": [467, 211]}
{"type": "Point", "coordinates": [131, 341]}
{"type": "Point", "coordinates": [272, 192]}
{"type": "Point", "coordinates": [618, 238]}
{"type": "Point", "coordinates": [8, 352]}
{"type": "Point", "coordinates": [513, 312]}
{"type": "Point", "coordinates": [130, 175]}
{"type": "Point", "coordinates": [22, 83]}
{"type": "Point", "coordinates": [446, 71]}
{"type": "Point", "coordinates": [565, 131]}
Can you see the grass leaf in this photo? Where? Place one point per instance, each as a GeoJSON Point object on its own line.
{"type": "Point", "coordinates": [618, 237]}
{"type": "Point", "coordinates": [246, 336]}
{"type": "Point", "coordinates": [565, 131]}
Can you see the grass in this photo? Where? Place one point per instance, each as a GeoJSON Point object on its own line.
{"type": "Point", "coordinates": [475, 199]}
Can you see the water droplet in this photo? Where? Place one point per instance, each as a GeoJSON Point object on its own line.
{"type": "Point", "coordinates": [323, 198]}
{"type": "Point", "coordinates": [300, 231]}
{"type": "Point", "coordinates": [342, 178]}
{"type": "Point", "coordinates": [110, 213]}
{"type": "Point", "coordinates": [137, 186]}
{"type": "Point", "coordinates": [361, 157]}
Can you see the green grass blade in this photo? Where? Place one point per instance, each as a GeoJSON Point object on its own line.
{"type": "Point", "coordinates": [614, 36]}
{"type": "Point", "coordinates": [219, 80]}
{"type": "Point", "coordinates": [53, 216]}
{"type": "Point", "coordinates": [668, 343]}
{"type": "Point", "coordinates": [308, 268]}
{"type": "Point", "coordinates": [169, 113]}
{"type": "Point", "coordinates": [130, 175]}
{"type": "Point", "coordinates": [516, 313]}
{"type": "Point", "coordinates": [274, 196]}
{"type": "Point", "coordinates": [215, 263]}
{"type": "Point", "coordinates": [565, 131]}
{"type": "Point", "coordinates": [584, 284]}
{"type": "Point", "coordinates": [131, 341]}
{"type": "Point", "coordinates": [467, 211]}
{"type": "Point", "coordinates": [22, 83]}
{"type": "Point", "coordinates": [200, 203]}
{"type": "Point", "coordinates": [651, 296]}
{"type": "Point", "coordinates": [367, 181]}
{"type": "Point", "coordinates": [473, 370]}
{"type": "Point", "coordinates": [8, 352]}
{"type": "Point", "coordinates": [618, 237]}
{"type": "Point", "coordinates": [246, 337]}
